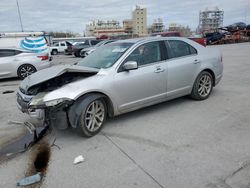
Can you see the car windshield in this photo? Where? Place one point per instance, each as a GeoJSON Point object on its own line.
{"type": "Point", "coordinates": [105, 56]}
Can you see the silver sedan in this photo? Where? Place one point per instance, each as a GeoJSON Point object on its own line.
{"type": "Point", "coordinates": [120, 77]}
{"type": "Point", "coordinates": [16, 62]}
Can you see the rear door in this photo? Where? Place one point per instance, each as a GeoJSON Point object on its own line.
{"type": "Point", "coordinates": [7, 60]}
{"type": "Point", "coordinates": [183, 65]}
{"type": "Point", "coordinates": [145, 85]}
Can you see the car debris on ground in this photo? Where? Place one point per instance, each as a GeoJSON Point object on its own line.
{"type": "Point", "coordinates": [29, 180]}
{"type": "Point", "coordinates": [78, 159]}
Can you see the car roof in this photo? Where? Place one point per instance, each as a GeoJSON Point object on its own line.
{"type": "Point", "coordinates": [145, 39]}
{"type": "Point", "coordinates": [19, 49]}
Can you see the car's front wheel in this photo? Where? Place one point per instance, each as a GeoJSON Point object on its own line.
{"type": "Point", "coordinates": [203, 86]}
{"type": "Point", "coordinates": [25, 70]}
{"type": "Point", "coordinates": [93, 116]}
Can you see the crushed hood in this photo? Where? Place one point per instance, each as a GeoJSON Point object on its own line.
{"type": "Point", "coordinates": [52, 72]}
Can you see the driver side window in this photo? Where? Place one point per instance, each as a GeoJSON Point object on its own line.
{"type": "Point", "coordinates": [146, 54]}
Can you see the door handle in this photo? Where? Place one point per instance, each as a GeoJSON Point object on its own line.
{"type": "Point", "coordinates": [196, 61]}
{"type": "Point", "coordinates": [159, 69]}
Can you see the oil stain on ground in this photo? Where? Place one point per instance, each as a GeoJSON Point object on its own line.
{"type": "Point", "coordinates": [38, 144]}
{"type": "Point", "coordinates": [39, 162]}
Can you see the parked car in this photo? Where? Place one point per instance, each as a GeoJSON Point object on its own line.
{"type": "Point", "coordinates": [58, 47]}
{"type": "Point", "coordinates": [76, 48]}
{"type": "Point", "coordinates": [117, 78]}
{"type": "Point", "coordinates": [213, 37]}
{"type": "Point", "coordinates": [20, 63]}
{"type": "Point", "coordinates": [236, 26]}
{"type": "Point", "coordinates": [248, 28]}
{"type": "Point", "coordinates": [68, 50]}
{"type": "Point", "coordinates": [86, 51]}
{"type": "Point", "coordinates": [202, 41]}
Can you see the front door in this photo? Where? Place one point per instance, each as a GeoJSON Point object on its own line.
{"type": "Point", "coordinates": [145, 85]}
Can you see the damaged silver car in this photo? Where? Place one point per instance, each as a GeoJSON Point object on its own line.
{"type": "Point", "coordinates": [120, 77]}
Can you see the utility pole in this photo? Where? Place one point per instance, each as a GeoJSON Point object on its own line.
{"type": "Point", "coordinates": [20, 18]}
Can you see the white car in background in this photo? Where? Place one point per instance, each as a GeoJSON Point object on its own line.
{"type": "Point", "coordinates": [59, 47]}
{"type": "Point", "coordinates": [15, 62]}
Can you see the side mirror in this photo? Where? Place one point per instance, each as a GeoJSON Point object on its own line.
{"type": "Point", "coordinates": [130, 65]}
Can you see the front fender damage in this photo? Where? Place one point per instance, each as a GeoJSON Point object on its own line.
{"type": "Point", "coordinates": [76, 109]}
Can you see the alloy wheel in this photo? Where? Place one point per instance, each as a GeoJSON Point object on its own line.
{"type": "Point", "coordinates": [94, 116]}
{"type": "Point", "coordinates": [26, 70]}
{"type": "Point", "coordinates": [205, 85]}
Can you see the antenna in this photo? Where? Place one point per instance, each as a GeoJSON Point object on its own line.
{"type": "Point", "coordinates": [19, 15]}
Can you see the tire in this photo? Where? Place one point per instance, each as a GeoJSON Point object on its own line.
{"type": "Point", "coordinates": [54, 52]}
{"type": "Point", "coordinates": [82, 54]}
{"type": "Point", "coordinates": [89, 113]}
{"type": "Point", "coordinates": [77, 54]}
{"type": "Point", "coordinates": [203, 86]}
{"type": "Point", "coordinates": [25, 70]}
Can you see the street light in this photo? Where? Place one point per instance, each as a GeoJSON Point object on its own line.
{"type": "Point", "coordinates": [19, 15]}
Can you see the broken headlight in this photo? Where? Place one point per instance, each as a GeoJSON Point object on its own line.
{"type": "Point", "coordinates": [55, 102]}
{"type": "Point", "coordinates": [37, 100]}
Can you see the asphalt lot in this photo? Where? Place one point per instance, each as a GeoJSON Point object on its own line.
{"type": "Point", "coordinates": [180, 143]}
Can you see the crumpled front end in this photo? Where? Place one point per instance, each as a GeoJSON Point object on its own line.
{"type": "Point", "coordinates": [31, 96]}
{"type": "Point", "coordinates": [53, 113]}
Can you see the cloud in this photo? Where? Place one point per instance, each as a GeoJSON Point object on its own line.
{"type": "Point", "coordinates": [65, 15]}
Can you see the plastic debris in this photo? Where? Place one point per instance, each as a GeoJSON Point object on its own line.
{"type": "Point", "coordinates": [30, 180]}
{"type": "Point", "coordinates": [78, 159]}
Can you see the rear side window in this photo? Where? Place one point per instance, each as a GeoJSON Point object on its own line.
{"type": "Point", "coordinates": [62, 44]}
{"type": "Point", "coordinates": [177, 48]}
{"type": "Point", "coordinates": [192, 50]}
{"type": "Point", "coordinates": [6, 53]}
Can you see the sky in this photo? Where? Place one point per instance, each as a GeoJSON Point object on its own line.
{"type": "Point", "coordinates": [73, 15]}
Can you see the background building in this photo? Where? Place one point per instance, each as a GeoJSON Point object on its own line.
{"type": "Point", "coordinates": [210, 20]}
{"type": "Point", "coordinates": [128, 26]}
{"type": "Point", "coordinates": [108, 28]}
{"type": "Point", "coordinates": [139, 19]}
{"type": "Point", "coordinates": [157, 26]}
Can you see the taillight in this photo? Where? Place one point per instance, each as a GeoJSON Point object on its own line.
{"type": "Point", "coordinates": [44, 57]}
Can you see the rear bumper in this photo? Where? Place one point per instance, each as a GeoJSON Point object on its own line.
{"type": "Point", "coordinates": [43, 65]}
{"type": "Point", "coordinates": [218, 79]}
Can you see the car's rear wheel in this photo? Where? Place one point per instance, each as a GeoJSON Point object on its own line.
{"type": "Point", "coordinates": [203, 86]}
{"type": "Point", "coordinates": [25, 70]}
{"type": "Point", "coordinates": [77, 54]}
{"type": "Point", "coordinates": [93, 116]}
